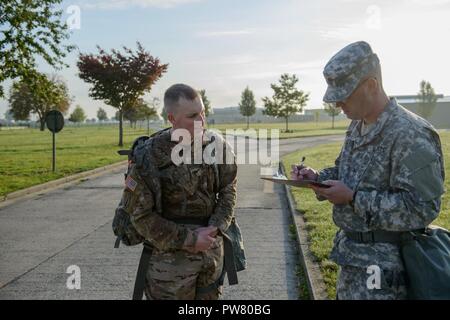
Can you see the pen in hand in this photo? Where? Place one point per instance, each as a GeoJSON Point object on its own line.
{"type": "Point", "coordinates": [302, 165]}
{"type": "Point", "coordinates": [297, 168]}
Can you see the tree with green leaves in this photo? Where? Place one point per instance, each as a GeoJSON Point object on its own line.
{"type": "Point", "coordinates": [120, 79]}
{"type": "Point", "coordinates": [77, 115]}
{"type": "Point", "coordinates": [247, 106]}
{"type": "Point", "coordinates": [30, 29]}
{"type": "Point", "coordinates": [101, 114]}
{"type": "Point", "coordinates": [149, 112]}
{"type": "Point", "coordinates": [139, 111]}
{"type": "Point", "coordinates": [286, 100]}
{"type": "Point", "coordinates": [130, 114]}
{"type": "Point", "coordinates": [332, 111]}
{"type": "Point", "coordinates": [427, 99]}
{"type": "Point", "coordinates": [39, 97]}
{"type": "Point", "coordinates": [206, 102]}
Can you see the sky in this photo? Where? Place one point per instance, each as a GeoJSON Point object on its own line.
{"type": "Point", "coordinates": [224, 46]}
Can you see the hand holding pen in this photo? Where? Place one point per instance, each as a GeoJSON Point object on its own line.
{"type": "Point", "coordinates": [302, 172]}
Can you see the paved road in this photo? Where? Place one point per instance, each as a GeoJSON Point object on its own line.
{"type": "Point", "coordinates": [41, 237]}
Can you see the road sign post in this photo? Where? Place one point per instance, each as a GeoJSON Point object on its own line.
{"type": "Point", "coordinates": [55, 122]}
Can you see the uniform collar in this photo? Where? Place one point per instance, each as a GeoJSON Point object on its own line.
{"type": "Point", "coordinates": [354, 132]}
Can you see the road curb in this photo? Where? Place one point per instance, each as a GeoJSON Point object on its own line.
{"type": "Point", "coordinates": [314, 279]}
{"type": "Point", "coordinates": [51, 185]}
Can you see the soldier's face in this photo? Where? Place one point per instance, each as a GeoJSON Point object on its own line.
{"type": "Point", "coordinates": [187, 114]}
{"type": "Point", "coordinates": [357, 105]}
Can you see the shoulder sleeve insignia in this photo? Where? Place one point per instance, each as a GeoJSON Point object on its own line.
{"type": "Point", "coordinates": [130, 183]}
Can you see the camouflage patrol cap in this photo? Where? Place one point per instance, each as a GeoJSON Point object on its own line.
{"type": "Point", "coordinates": [346, 69]}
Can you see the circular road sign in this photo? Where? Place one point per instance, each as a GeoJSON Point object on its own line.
{"type": "Point", "coordinates": [54, 121]}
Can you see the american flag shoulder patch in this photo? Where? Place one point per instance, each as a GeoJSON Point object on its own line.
{"type": "Point", "coordinates": [130, 183]}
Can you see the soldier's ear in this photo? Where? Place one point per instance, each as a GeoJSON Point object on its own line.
{"type": "Point", "coordinates": [171, 118]}
{"type": "Point", "coordinates": [373, 85]}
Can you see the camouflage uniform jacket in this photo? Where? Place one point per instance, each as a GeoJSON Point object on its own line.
{"type": "Point", "coordinates": [397, 171]}
{"type": "Point", "coordinates": [187, 191]}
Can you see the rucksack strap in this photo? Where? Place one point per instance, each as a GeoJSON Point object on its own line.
{"type": "Point", "coordinates": [229, 268]}
{"type": "Point", "coordinates": [117, 243]}
{"type": "Point", "coordinates": [144, 262]}
{"type": "Point", "coordinates": [229, 265]}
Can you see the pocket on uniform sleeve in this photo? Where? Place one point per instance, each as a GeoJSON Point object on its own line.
{"type": "Point", "coordinates": [425, 173]}
{"type": "Point", "coordinates": [128, 201]}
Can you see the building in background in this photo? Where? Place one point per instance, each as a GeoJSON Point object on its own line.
{"type": "Point", "coordinates": [233, 115]}
{"type": "Point", "coordinates": [440, 118]}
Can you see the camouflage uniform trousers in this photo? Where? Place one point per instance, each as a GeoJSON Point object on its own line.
{"type": "Point", "coordinates": [176, 275]}
{"type": "Point", "coordinates": [352, 285]}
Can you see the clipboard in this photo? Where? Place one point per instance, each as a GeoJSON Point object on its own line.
{"type": "Point", "coordinates": [297, 183]}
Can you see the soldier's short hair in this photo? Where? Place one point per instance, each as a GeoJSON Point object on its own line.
{"type": "Point", "coordinates": [376, 73]}
{"type": "Point", "coordinates": [176, 92]}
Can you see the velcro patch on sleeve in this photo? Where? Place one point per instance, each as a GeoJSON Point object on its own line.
{"type": "Point", "coordinates": [130, 183]}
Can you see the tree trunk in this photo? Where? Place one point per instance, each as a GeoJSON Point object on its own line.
{"type": "Point", "coordinates": [41, 116]}
{"type": "Point", "coordinates": [332, 121]}
{"type": "Point", "coordinates": [148, 127]}
{"type": "Point", "coordinates": [120, 128]}
{"type": "Point", "coordinates": [286, 124]}
{"type": "Point", "coordinates": [248, 121]}
{"type": "Point", "coordinates": [42, 121]}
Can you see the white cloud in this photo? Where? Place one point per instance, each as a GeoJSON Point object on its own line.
{"type": "Point", "coordinates": [225, 33]}
{"type": "Point", "coordinates": [120, 4]}
{"type": "Point", "coordinates": [241, 59]}
{"type": "Point", "coordinates": [343, 32]}
{"type": "Point", "coordinates": [255, 75]}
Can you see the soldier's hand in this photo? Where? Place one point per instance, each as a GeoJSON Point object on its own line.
{"type": "Point", "coordinates": [303, 173]}
{"type": "Point", "coordinates": [213, 230]}
{"type": "Point", "coordinates": [338, 193]}
{"type": "Point", "coordinates": [205, 238]}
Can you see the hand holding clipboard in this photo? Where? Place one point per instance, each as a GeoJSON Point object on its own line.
{"type": "Point", "coordinates": [299, 180]}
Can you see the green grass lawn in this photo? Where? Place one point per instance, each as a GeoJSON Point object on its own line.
{"type": "Point", "coordinates": [299, 129]}
{"type": "Point", "coordinates": [26, 154]}
{"type": "Point", "coordinates": [319, 224]}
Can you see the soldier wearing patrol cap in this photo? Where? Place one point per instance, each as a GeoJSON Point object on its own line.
{"type": "Point", "coordinates": [387, 179]}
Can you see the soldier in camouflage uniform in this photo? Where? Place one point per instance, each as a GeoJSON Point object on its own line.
{"type": "Point", "coordinates": [197, 204]}
{"type": "Point", "coordinates": [388, 177]}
